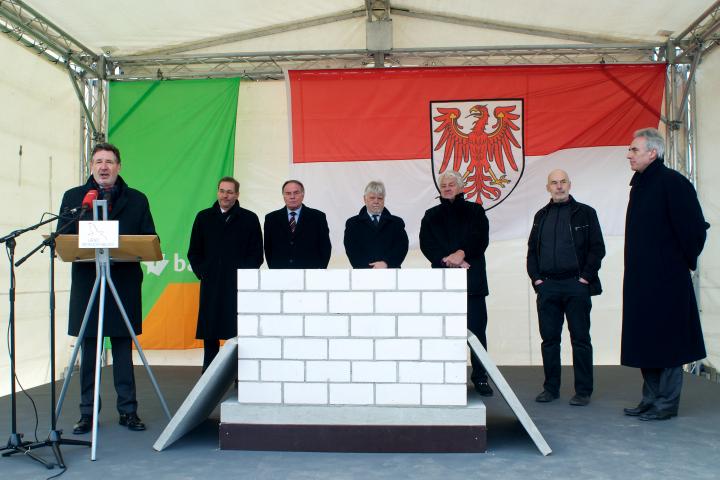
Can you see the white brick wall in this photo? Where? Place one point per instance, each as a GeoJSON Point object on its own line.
{"type": "Point", "coordinates": [306, 393]}
{"type": "Point", "coordinates": [282, 371]}
{"type": "Point", "coordinates": [327, 371]}
{"type": "Point", "coordinates": [397, 394]}
{"type": "Point", "coordinates": [352, 337]}
{"type": "Point", "coordinates": [374, 372]}
{"type": "Point", "coordinates": [326, 325]}
{"type": "Point", "coordinates": [352, 393]}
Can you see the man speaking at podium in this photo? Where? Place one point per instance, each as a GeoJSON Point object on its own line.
{"type": "Point", "coordinates": [131, 208]}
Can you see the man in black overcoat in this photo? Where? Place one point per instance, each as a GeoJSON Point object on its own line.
{"type": "Point", "coordinates": [455, 234]}
{"type": "Point", "coordinates": [565, 250]}
{"type": "Point", "coordinates": [131, 208]}
{"type": "Point", "coordinates": [374, 238]}
{"type": "Point", "coordinates": [296, 236]}
{"type": "Point", "coordinates": [224, 238]}
{"type": "Point", "coordinates": [664, 234]}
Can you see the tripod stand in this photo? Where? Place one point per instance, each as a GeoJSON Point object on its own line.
{"type": "Point", "coordinates": [102, 280]}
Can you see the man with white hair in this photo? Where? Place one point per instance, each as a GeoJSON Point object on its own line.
{"type": "Point", "coordinates": [665, 232]}
{"type": "Point", "coordinates": [565, 250]}
{"type": "Point", "coordinates": [455, 234]}
{"type": "Point", "coordinates": [374, 238]}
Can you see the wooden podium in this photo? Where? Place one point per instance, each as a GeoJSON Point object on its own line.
{"type": "Point", "coordinates": [132, 248]}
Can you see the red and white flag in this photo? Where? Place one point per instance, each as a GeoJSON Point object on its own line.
{"type": "Point", "coordinates": [503, 128]}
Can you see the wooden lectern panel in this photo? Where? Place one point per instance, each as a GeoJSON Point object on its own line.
{"type": "Point", "coordinates": [132, 248]}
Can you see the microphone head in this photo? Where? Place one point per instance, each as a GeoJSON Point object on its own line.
{"type": "Point", "coordinates": [88, 199]}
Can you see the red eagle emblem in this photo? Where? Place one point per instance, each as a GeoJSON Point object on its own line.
{"type": "Point", "coordinates": [489, 157]}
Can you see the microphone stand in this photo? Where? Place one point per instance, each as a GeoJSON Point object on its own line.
{"type": "Point", "coordinates": [15, 444]}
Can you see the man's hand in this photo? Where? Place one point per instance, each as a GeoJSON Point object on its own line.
{"type": "Point", "coordinates": [455, 259]}
{"type": "Point", "coordinates": [583, 281]}
{"type": "Point", "coordinates": [537, 282]}
{"type": "Point", "coordinates": [378, 264]}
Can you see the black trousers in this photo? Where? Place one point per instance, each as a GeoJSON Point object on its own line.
{"type": "Point", "coordinates": [477, 324]}
{"type": "Point", "coordinates": [662, 387]}
{"type": "Point", "coordinates": [123, 374]}
{"type": "Point", "coordinates": [557, 300]}
{"type": "Point", "coordinates": [211, 348]}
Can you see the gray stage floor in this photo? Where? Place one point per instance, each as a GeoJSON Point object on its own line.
{"type": "Point", "coordinates": [594, 442]}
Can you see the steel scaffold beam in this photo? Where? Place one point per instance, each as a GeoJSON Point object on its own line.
{"type": "Point", "coordinates": [27, 26]}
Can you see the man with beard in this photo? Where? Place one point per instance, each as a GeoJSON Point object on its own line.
{"type": "Point", "coordinates": [565, 250]}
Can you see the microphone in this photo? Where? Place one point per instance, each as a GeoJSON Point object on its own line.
{"type": "Point", "coordinates": [87, 203]}
{"type": "Point", "coordinates": [107, 195]}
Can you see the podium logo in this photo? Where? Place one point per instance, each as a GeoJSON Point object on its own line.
{"type": "Point", "coordinates": [157, 268]}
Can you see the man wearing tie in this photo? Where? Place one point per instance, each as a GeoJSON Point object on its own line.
{"type": "Point", "coordinates": [131, 209]}
{"type": "Point", "coordinates": [225, 237]}
{"type": "Point", "coordinates": [296, 236]}
{"type": "Point", "coordinates": [374, 238]}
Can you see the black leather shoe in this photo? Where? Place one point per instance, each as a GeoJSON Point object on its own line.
{"type": "Point", "coordinates": [483, 389]}
{"type": "Point", "coordinates": [655, 414]}
{"type": "Point", "coordinates": [545, 397]}
{"type": "Point", "coordinates": [579, 400]}
{"type": "Point", "coordinates": [83, 425]}
{"type": "Point", "coordinates": [640, 409]}
{"type": "Point", "coordinates": [132, 422]}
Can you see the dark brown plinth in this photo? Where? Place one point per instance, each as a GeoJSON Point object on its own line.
{"type": "Point", "coordinates": [354, 438]}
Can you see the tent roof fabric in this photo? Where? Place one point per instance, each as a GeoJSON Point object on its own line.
{"type": "Point", "coordinates": [138, 26]}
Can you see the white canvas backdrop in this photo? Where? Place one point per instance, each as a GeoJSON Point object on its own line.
{"type": "Point", "coordinates": [40, 114]}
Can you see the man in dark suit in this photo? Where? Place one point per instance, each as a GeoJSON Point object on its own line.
{"type": "Point", "coordinates": [455, 234]}
{"type": "Point", "coordinates": [665, 232]}
{"type": "Point", "coordinates": [224, 237]}
{"type": "Point", "coordinates": [374, 238]}
{"type": "Point", "coordinates": [130, 207]}
{"type": "Point", "coordinates": [296, 236]}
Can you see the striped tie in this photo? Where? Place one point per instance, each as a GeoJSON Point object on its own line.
{"type": "Point", "coordinates": [293, 224]}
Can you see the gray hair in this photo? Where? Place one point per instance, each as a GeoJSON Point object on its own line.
{"type": "Point", "coordinates": [377, 187]}
{"type": "Point", "coordinates": [447, 174]}
{"type": "Point", "coordinates": [653, 140]}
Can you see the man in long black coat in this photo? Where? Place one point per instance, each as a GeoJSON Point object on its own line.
{"type": "Point", "coordinates": [374, 238]}
{"type": "Point", "coordinates": [455, 234]}
{"type": "Point", "coordinates": [296, 236]}
{"type": "Point", "coordinates": [130, 207]}
{"type": "Point", "coordinates": [664, 234]}
{"type": "Point", "coordinates": [225, 237]}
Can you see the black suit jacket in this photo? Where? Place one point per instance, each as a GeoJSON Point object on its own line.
{"type": "Point", "coordinates": [132, 210]}
{"type": "Point", "coordinates": [450, 226]}
{"type": "Point", "coordinates": [308, 247]}
{"type": "Point", "coordinates": [366, 243]}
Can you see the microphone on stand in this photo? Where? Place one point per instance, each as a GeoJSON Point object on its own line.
{"type": "Point", "coordinates": [86, 205]}
{"type": "Point", "coordinates": [107, 195]}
